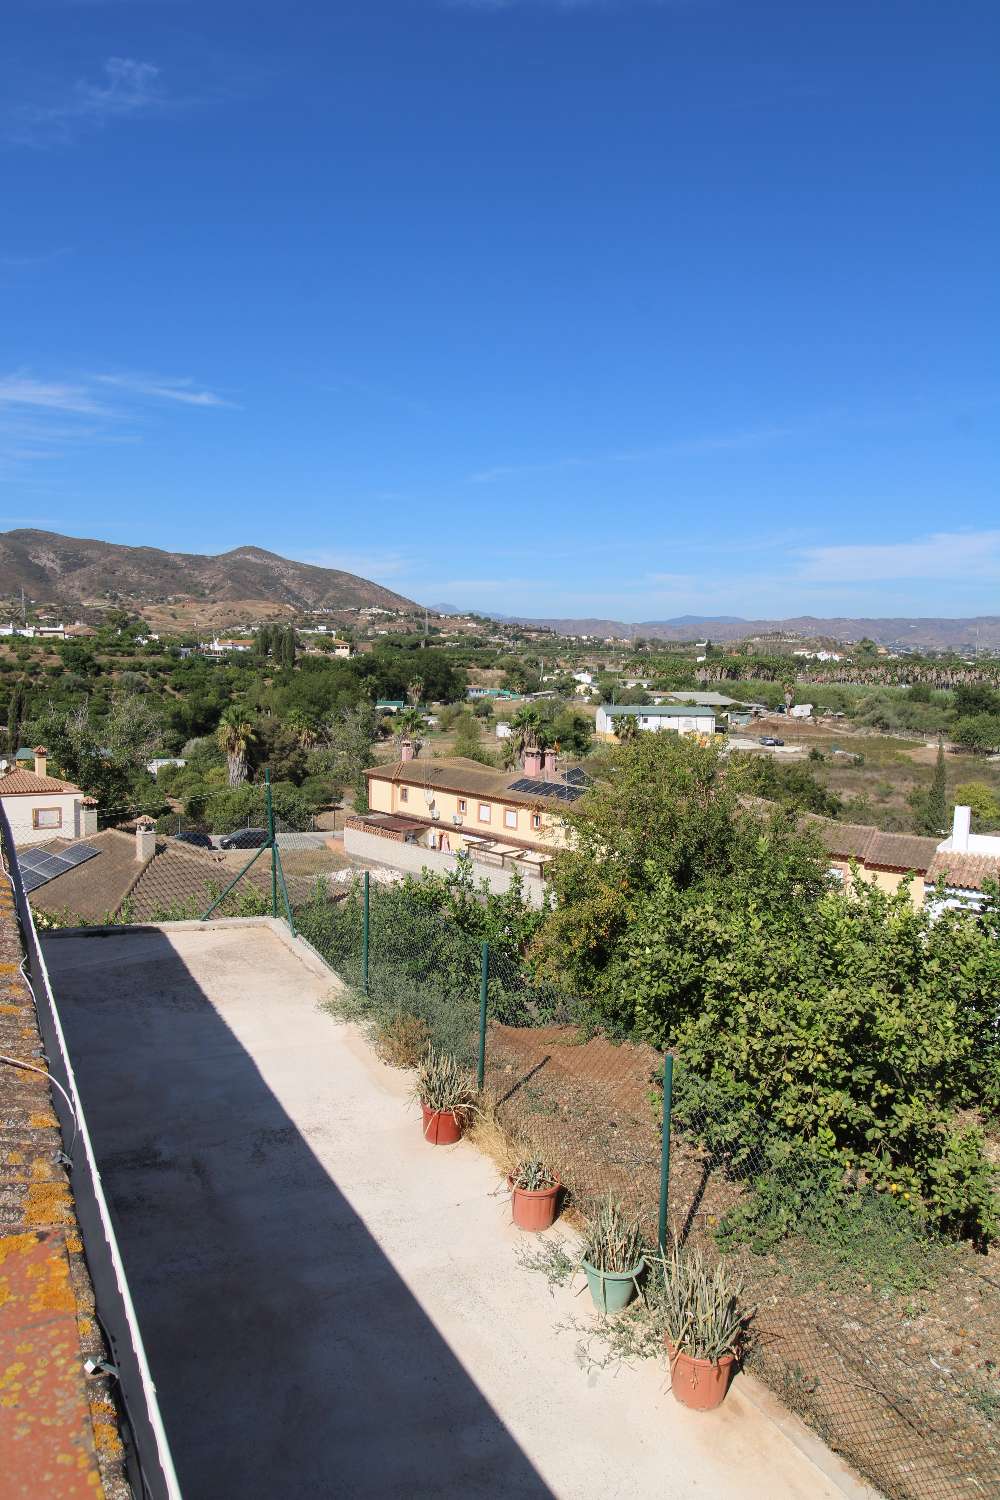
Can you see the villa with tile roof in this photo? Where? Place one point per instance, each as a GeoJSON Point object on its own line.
{"type": "Point", "coordinates": [40, 806]}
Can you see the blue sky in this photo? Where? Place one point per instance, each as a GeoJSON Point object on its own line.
{"type": "Point", "coordinates": [628, 309]}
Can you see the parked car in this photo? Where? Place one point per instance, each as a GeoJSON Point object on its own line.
{"type": "Point", "coordinates": [769, 739]}
{"type": "Point", "coordinates": [245, 838]}
{"type": "Point", "coordinates": [199, 840]}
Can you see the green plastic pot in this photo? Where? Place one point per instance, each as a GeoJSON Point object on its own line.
{"type": "Point", "coordinates": [613, 1290]}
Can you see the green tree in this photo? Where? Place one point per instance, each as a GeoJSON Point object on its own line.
{"type": "Point", "coordinates": [983, 801]}
{"type": "Point", "coordinates": [235, 735]}
{"type": "Point", "coordinates": [103, 746]}
{"type": "Point", "coordinates": [662, 805]}
{"type": "Point", "coordinates": [15, 714]}
{"type": "Point", "coordinates": [348, 751]}
{"type": "Point", "coordinates": [978, 732]}
{"type": "Point", "coordinates": [936, 806]}
{"type": "Point", "coordinates": [287, 650]}
{"type": "Point", "coordinates": [845, 1024]}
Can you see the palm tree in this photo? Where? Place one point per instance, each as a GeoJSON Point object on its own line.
{"type": "Point", "coordinates": [527, 732]}
{"type": "Point", "coordinates": [235, 736]}
{"type": "Point", "coordinates": [303, 728]}
{"type": "Point", "coordinates": [408, 725]}
{"type": "Point", "coordinates": [627, 728]}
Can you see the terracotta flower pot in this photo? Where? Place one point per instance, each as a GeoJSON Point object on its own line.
{"type": "Point", "coordinates": [534, 1209]}
{"type": "Point", "coordinates": [442, 1127]}
{"type": "Point", "coordinates": [698, 1383]}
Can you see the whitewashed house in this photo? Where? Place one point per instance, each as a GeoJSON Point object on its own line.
{"type": "Point", "coordinates": [40, 806]}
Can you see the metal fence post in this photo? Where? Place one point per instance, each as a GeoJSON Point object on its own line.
{"type": "Point", "coordinates": [365, 911]}
{"type": "Point", "coordinates": [271, 840]}
{"type": "Point", "coordinates": [668, 1092]}
{"type": "Point", "coordinates": [484, 985]}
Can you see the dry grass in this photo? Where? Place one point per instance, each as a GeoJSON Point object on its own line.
{"type": "Point", "coordinates": [402, 1039]}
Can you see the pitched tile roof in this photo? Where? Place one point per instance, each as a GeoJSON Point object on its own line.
{"type": "Point", "coordinates": [967, 872]}
{"type": "Point", "coordinates": [20, 783]}
{"type": "Point", "coordinates": [94, 891]}
{"type": "Point", "coordinates": [861, 841]}
{"type": "Point", "coordinates": [901, 851]}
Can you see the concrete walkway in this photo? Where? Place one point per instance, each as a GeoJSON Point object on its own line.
{"type": "Point", "coordinates": [330, 1306]}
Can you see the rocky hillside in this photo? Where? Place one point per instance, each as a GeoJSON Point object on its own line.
{"type": "Point", "coordinates": [65, 570]}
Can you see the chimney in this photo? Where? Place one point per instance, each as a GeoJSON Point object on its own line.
{"type": "Point", "coordinates": [88, 817]}
{"type": "Point", "coordinates": [145, 839]}
{"type": "Point", "coordinates": [549, 765]}
{"type": "Point", "coordinates": [960, 829]}
{"type": "Point", "coordinates": [406, 749]}
{"type": "Point", "coordinates": [41, 760]}
{"type": "Point", "coordinates": [532, 761]}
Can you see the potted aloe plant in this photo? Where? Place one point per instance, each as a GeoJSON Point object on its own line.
{"type": "Point", "coordinates": [446, 1094]}
{"type": "Point", "coordinates": [612, 1257]}
{"type": "Point", "coordinates": [534, 1195]}
{"type": "Point", "coordinates": [705, 1327]}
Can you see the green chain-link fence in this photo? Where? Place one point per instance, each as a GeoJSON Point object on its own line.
{"type": "Point", "coordinates": [883, 1340]}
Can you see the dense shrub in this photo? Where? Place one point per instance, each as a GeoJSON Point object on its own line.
{"type": "Point", "coordinates": [852, 1024]}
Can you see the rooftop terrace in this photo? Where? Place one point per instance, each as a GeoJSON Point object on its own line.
{"type": "Point", "coordinates": [329, 1306]}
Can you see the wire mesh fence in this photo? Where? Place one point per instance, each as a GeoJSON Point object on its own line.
{"type": "Point", "coordinates": [883, 1338]}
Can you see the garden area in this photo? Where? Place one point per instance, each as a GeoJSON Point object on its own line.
{"type": "Point", "coordinates": [836, 1087]}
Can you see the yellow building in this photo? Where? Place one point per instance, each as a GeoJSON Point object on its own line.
{"type": "Point", "coordinates": [461, 802]}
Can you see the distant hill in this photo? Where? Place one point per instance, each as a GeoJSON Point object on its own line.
{"type": "Point", "coordinates": [65, 570]}
{"type": "Point", "coordinates": [933, 633]}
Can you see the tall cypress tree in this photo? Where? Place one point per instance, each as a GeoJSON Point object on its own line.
{"type": "Point", "coordinates": [937, 797]}
{"type": "Point", "coordinates": [15, 714]}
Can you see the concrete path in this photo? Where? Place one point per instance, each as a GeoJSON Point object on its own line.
{"type": "Point", "coordinates": [330, 1306]}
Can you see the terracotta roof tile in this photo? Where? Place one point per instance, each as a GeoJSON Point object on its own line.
{"type": "Point", "coordinates": [902, 851]}
{"type": "Point", "coordinates": [91, 892]}
{"type": "Point", "coordinates": [968, 872]}
{"type": "Point", "coordinates": [20, 783]}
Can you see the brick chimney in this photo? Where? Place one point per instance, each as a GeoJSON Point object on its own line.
{"type": "Point", "coordinates": [961, 823]}
{"type": "Point", "coordinates": [88, 817]}
{"type": "Point", "coordinates": [407, 749]}
{"type": "Point", "coordinates": [41, 760]}
{"type": "Point", "coordinates": [549, 765]}
{"type": "Point", "coordinates": [532, 761]}
{"type": "Point", "coordinates": [145, 839]}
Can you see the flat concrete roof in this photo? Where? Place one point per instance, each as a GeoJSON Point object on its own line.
{"type": "Point", "coordinates": [330, 1306]}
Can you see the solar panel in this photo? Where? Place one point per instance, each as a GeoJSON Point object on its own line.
{"type": "Point", "coordinates": [44, 864]}
{"type": "Point", "coordinates": [557, 789]}
{"type": "Point", "coordinates": [576, 777]}
{"type": "Point", "coordinates": [38, 866]}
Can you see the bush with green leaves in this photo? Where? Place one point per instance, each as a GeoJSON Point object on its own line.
{"type": "Point", "coordinates": [852, 1023]}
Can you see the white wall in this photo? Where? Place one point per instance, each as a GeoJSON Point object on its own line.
{"type": "Point", "coordinates": [20, 808]}
{"type": "Point", "coordinates": [413, 858]}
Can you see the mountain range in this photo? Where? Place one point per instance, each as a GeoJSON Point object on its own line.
{"type": "Point", "coordinates": [73, 570]}
{"type": "Point", "coordinates": [936, 633]}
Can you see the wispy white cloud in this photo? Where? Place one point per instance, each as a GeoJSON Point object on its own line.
{"type": "Point", "coordinates": [32, 262]}
{"type": "Point", "coordinates": [24, 391]}
{"type": "Point", "coordinates": [693, 447]}
{"type": "Point", "coordinates": [165, 388]}
{"type": "Point", "coordinates": [511, 471]}
{"type": "Point", "coordinates": [952, 556]}
{"type": "Point", "coordinates": [128, 88]}
{"type": "Point", "coordinates": [43, 419]}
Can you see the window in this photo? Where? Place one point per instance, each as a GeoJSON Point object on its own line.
{"type": "Point", "coordinates": [509, 818]}
{"type": "Point", "coordinates": [536, 820]}
{"type": "Point", "coordinates": [485, 812]}
{"type": "Point", "coordinates": [46, 817]}
{"type": "Point", "coordinates": [404, 794]}
{"type": "Point", "coordinates": [461, 804]}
